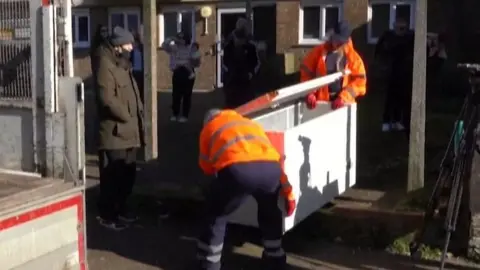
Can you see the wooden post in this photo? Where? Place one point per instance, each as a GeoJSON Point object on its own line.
{"type": "Point", "coordinates": [150, 77]}
{"type": "Point", "coordinates": [416, 158]}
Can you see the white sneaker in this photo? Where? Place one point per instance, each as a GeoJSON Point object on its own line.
{"type": "Point", "coordinates": [182, 119]}
{"type": "Point", "coordinates": [398, 126]}
{"type": "Point", "coordinates": [386, 127]}
{"type": "Point", "coordinates": [173, 118]}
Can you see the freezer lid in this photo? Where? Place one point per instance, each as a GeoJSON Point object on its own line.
{"type": "Point", "coordinates": [287, 94]}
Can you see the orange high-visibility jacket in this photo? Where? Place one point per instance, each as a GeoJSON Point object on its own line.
{"type": "Point", "coordinates": [353, 85]}
{"type": "Point", "coordinates": [231, 138]}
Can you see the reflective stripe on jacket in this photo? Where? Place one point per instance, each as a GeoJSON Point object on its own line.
{"type": "Point", "coordinates": [231, 138]}
{"type": "Point", "coordinates": [353, 85]}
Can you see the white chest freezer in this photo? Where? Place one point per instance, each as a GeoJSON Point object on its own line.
{"type": "Point", "coordinates": [319, 147]}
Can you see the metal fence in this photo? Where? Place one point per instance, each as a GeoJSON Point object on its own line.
{"type": "Point", "coordinates": [15, 53]}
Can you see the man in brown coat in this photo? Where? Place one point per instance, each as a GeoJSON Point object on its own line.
{"type": "Point", "coordinates": [121, 130]}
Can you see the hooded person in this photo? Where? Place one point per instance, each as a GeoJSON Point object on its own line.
{"type": "Point", "coordinates": [394, 50]}
{"type": "Point", "coordinates": [336, 54]}
{"type": "Point", "coordinates": [240, 64]}
{"type": "Point", "coordinates": [99, 40]}
{"type": "Point", "coordinates": [100, 37]}
{"type": "Point", "coordinates": [121, 129]}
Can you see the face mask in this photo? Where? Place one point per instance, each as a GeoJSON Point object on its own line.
{"type": "Point", "coordinates": [125, 54]}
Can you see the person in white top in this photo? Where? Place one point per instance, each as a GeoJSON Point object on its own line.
{"type": "Point", "coordinates": [183, 60]}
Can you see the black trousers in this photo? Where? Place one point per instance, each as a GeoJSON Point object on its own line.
{"type": "Point", "coordinates": [182, 88]}
{"type": "Point", "coordinates": [117, 177]}
{"type": "Point", "coordinates": [392, 112]}
{"type": "Point", "coordinates": [396, 99]}
{"type": "Point", "coordinates": [237, 94]}
{"type": "Point", "coordinates": [227, 193]}
{"type": "Point", "coordinates": [138, 75]}
{"type": "Point", "coordinates": [398, 104]}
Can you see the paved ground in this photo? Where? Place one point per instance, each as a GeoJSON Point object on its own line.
{"type": "Point", "coordinates": [169, 245]}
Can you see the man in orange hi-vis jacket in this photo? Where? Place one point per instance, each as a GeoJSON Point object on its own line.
{"type": "Point", "coordinates": [336, 54]}
{"type": "Point", "coordinates": [239, 153]}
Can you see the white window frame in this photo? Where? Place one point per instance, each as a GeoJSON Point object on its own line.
{"type": "Point", "coordinates": [76, 13]}
{"type": "Point", "coordinates": [179, 10]}
{"type": "Point", "coordinates": [125, 11]}
{"type": "Point", "coordinates": [393, 5]}
{"type": "Point", "coordinates": [322, 5]}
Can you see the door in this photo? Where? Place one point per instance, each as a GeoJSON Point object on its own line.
{"type": "Point", "coordinates": [264, 26]}
{"type": "Point", "coordinates": [227, 19]}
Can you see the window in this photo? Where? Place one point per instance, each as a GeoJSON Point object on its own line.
{"type": "Point", "coordinates": [173, 21]}
{"type": "Point", "coordinates": [81, 28]}
{"type": "Point", "coordinates": [382, 16]}
{"type": "Point", "coordinates": [126, 18]}
{"type": "Point", "coordinates": [316, 20]}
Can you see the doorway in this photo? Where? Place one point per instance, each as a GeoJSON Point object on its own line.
{"type": "Point", "coordinates": [226, 21]}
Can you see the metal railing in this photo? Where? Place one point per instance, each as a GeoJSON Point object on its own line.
{"type": "Point", "coordinates": [15, 50]}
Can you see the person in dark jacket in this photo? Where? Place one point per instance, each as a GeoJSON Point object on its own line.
{"type": "Point", "coordinates": [137, 63]}
{"type": "Point", "coordinates": [395, 49]}
{"type": "Point", "coordinates": [240, 65]}
{"type": "Point", "coordinates": [436, 58]}
{"type": "Point", "coordinates": [121, 130]}
{"type": "Point", "coordinates": [100, 37]}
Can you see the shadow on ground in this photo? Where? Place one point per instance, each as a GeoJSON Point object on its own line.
{"type": "Point", "coordinates": [169, 244]}
{"type": "Point", "coordinates": [156, 243]}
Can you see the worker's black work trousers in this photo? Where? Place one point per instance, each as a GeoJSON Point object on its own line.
{"type": "Point", "coordinates": [117, 177]}
{"type": "Point", "coordinates": [227, 193]}
{"type": "Point", "coordinates": [182, 89]}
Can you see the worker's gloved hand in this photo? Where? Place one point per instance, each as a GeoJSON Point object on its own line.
{"type": "Point", "coordinates": [337, 103]}
{"type": "Point", "coordinates": [290, 206]}
{"type": "Point", "coordinates": [311, 101]}
{"type": "Point", "coordinates": [250, 76]}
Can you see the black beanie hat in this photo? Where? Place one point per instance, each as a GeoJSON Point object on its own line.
{"type": "Point", "coordinates": [121, 36]}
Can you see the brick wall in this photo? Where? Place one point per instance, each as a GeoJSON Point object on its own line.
{"type": "Point", "coordinates": [206, 77]}
{"type": "Point", "coordinates": [464, 32]}
{"type": "Point", "coordinates": [99, 15]}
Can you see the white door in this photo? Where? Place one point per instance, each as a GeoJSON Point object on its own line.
{"type": "Point", "coordinates": [227, 19]}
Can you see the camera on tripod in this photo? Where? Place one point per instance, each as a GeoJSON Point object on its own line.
{"type": "Point", "coordinates": [472, 70]}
